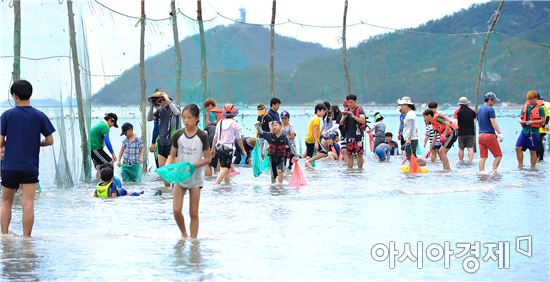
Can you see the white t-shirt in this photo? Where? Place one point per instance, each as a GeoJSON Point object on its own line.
{"type": "Point", "coordinates": [190, 149]}
{"type": "Point", "coordinates": [288, 130]}
{"type": "Point", "coordinates": [409, 127]}
{"type": "Point", "coordinates": [230, 131]}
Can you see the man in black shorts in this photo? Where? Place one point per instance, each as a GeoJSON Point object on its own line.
{"type": "Point", "coordinates": [20, 141]}
{"type": "Point", "coordinates": [465, 117]}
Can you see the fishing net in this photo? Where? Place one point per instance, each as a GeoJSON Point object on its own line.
{"type": "Point", "coordinates": [297, 177]}
{"type": "Point", "coordinates": [176, 173]}
{"type": "Point", "coordinates": [131, 173]}
{"type": "Point", "coordinates": [256, 160]}
{"type": "Point", "coordinates": [266, 163]}
{"type": "Point", "coordinates": [231, 64]}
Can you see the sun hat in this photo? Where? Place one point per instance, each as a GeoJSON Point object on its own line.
{"type": "Point", "coordinates": [463, 101]}
{"type": "Point", "coordinates": [405, 101]}
{"type": "Point", "coordinates": [158, 94]}
{"type": "Point", "coordinates": [230, 111]}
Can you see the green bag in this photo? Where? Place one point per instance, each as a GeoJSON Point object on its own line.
{"type": "Point", "coordinates": [131, 173]}
{"type": "Point", "coordinates": [177, 173]}
{"type": "Point", "coordinates": [313, 162]}
{"type": "Point", "coordinates": [266, 164]}
{"type": "Point", "coordinates": [256, 160]}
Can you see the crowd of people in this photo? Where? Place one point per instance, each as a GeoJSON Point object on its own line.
{"type": "Point", "coordinates": [332, 134]}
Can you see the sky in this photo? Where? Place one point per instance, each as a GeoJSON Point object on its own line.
{"type": "Point", "coordinates": [113, 40]}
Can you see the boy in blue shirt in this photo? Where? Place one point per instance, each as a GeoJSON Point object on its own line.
{"type": "Point", "coordinates": [20, 140]}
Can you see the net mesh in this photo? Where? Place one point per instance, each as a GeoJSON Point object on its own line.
{"type": "Point", "coordinates": [422, 63]}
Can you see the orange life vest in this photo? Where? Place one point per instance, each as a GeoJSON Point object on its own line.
{"type": "Point", "coordinates": [535, 113]}
{"type": "Point", "coordinates": [441, 127]}
{"type": "Point", "coordinates": [218, 114]}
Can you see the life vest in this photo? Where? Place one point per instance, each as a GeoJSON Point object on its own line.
{"type": "Point", "coordinates": [278, 146]}
{"type": "Point", "coordinates": [535, 113]}
{"type": "Point", "coordinates": [362, 126]}
{"type": "Point", "coordinates": [218, 114]}
{"type": "Point", "coordinates": [441, 127]}
{"type": "Point", "coordinates": [102, 191]}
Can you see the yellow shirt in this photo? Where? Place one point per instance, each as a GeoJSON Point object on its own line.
{"type": "Point", "coordinates": [315, 121]}
{"type": "Point", "coordinates": [545, 107]}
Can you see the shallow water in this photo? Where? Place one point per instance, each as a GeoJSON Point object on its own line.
{"type": "Point", "coordinates": [326, 230]}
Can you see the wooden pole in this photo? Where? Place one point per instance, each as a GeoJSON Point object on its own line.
{"type": "Point", "coordinates": [16, 74]}
{"type": "Point", "coordinates": [272, 54]}
{"type": "Point", "coordinates": [78, 88]}
{"type": "Point", "coordinates": [178, 51]}
{"type": "Point", "coordinates": [143, 105]}
{"type": "Point", "coordinates": [492, 24]}
{"type": "Point", "coordinates": [345, 49]}
{"type": "Point", "coordinates": [204, 68]}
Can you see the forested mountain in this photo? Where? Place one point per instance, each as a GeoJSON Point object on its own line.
{"type": "Point", "coordinates": [435, 61]}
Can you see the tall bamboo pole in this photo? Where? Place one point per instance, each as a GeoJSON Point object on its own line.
{"type": "Point", "coordinates": [345, 49]}
{"type": "Point", "coordinates": [204, 68]}
{"type": "Point", "coordinates": [78, 88]}
{"type": "Point", "coordinates": [272, 54]}
{"type": "Point", "coordinates": [143, 105]}
{"type": "Point", "coordinates": [16, 74]}
{"type": "Point", "coordinates": [178, 50]}
{"type": "Point", "coordinates": [492, 24]}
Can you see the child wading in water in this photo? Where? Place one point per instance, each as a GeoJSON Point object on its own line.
{"type": "Point", "coordinates": [288, 130]}
{"type": "Point", "coordinates": [279, 146]}
{"type": "Point", "coordinates": [110, 186]}
{"type": "Point", "coordinates": [228, 132]}
{"type": "Point", "coordinates": [313, 137]}
{"type": "Point", "coordinates": [132, 152]}
{"type": "Point", "coordinates": [189, 144]}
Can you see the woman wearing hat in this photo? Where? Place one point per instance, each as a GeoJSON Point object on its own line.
{"type": "Point", "coordinates": [228, 132]}
{"type": "Point", "coordinates": [410, 132]}
{"type": "Point", "coordinates": [167, 114]}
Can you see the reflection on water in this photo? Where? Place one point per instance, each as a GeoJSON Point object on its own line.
{"type": "Point", "coordinates": [19, 259]}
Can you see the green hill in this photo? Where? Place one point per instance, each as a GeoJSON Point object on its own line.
{"type": "Point", "coordinates": [435, 61]}
{"type": "Point", "coordinates": [443, 67]}
{"type": "Point", "coordinates": [236, 55]}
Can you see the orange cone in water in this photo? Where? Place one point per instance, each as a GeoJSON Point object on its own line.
{"type": "Point", "coordinates": [297, 178]}
{"type": "Point", "coordinates": [413, 165]}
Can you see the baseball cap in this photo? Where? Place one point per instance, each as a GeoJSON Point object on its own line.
{"type": "Point", "coordinates": [125, 127]}
{"type": "Point", "coordinates": [285, 114]}
{"type": "Point", "coordinates": [113, 118]}
{"type": "Point", "coordinates": [491, 96]}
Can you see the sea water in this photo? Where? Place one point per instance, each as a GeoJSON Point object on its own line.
{"type": "Point", "coordinates": [327, 230]}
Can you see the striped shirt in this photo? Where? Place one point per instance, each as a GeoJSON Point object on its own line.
{"type": "Point", "coordinates": [430, 133]}
{"type": "Point", "coordinates": [132, 150]}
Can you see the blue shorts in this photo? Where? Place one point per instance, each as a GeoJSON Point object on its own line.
{"type": "Point", "coordinates": [527, 141]}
